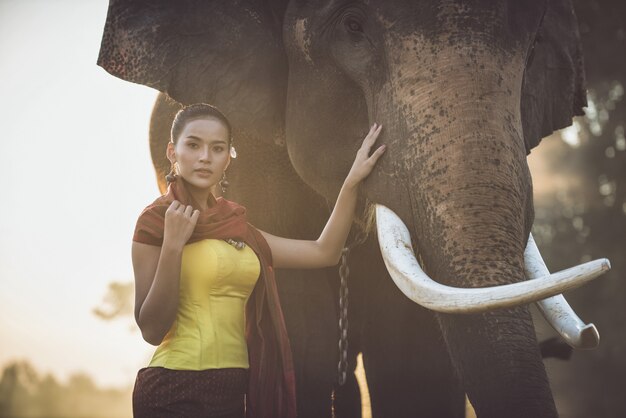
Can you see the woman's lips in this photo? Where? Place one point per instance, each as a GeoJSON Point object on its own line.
{"type": "Point", "coordinates": [204, 172]}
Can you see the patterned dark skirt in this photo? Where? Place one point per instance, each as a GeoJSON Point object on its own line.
{"type": "Point", "coordinates": [215, 393]}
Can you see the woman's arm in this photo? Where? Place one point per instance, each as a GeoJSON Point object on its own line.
{"type": "Point", "coordinates": [157, 274]}
{"type": "Point", "coordinates": [326, 250]}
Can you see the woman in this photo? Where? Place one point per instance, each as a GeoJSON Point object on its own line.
{"type": "Point", "coordinates": [204, 283]}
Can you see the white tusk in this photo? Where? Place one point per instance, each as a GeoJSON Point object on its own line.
{"type": "Point", "coordinates": [556, 310]}
{"type": "Point", "coordinates": [395, 244]}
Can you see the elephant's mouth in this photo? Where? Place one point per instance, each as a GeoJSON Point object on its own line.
{"type": "Point", "coordinates": [397, 252]}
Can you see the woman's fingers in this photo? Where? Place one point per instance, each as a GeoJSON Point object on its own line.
{"type": "Point", "coordinates": [364, 162]}
{"type": "Point", "coordinates": [372, 131]}
{"type": "Point", "coordinates": [372, 135]}
{"type": "Point", "coordinates": [194, 216]}
{"type": "Point", "coordinates": [174, 205]}
{"type": "Point", "coordinates": [180, 221]}
{"type": "Point", "coordinates": [186, 211]}
{"type": "Point", "coordinates": [369, 140]}
{"type": "Point", "coordinates": [376, 154]}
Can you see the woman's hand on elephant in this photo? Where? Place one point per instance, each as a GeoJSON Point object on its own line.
{"type": "Point", "coordinates": [180, 221]}
{"type": "Point", "coordinates": [326, 250]}
{"type": "Point", "coordinates": [364, 162]}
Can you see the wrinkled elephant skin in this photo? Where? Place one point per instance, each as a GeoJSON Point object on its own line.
{"type": "Point", "coordinates": [464, 91]}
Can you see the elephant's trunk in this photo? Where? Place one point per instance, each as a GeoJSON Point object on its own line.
{"type": "Point", "coordinates": [468, 197]}
{"type": "Point", "coordinates": [458, 151]}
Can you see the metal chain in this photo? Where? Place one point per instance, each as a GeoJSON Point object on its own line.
{"type": "Point", "coordinates": [344, 271]}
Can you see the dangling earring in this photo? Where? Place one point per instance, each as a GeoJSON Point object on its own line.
{"type": "Point", "coordinates": [173, 174]}
{"type": "Point", "coordinates": [224, 183]}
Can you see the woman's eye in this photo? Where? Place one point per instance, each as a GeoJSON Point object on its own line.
{"type": "Point", "coordinates": [353, 25]}
{"type": "Point", "coordinates": [218, 149]}
{"type": "Point", "coordinates": [193, 145]}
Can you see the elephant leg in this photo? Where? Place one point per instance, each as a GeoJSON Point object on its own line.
{"type": "Point", "coordinates": [498, 359]}
{"type": "Point", "coordinates": [407, 365]}
{"type": "Point", "coordinates": [347, 402]}
{"type": "Point", "coordinates": [347, 399]}
{"type": "Point", "coordinates": [310, 317]}
{"type": "Point", "coordinates": [408, 370]}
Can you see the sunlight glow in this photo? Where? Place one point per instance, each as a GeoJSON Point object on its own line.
{"type": "Point", "coordinates": [570, 135]}
{"type": "Point", "coordinates": [78, 175]}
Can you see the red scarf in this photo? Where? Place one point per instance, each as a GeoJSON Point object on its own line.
{"type": "Point", "coordinates": [271, 390]}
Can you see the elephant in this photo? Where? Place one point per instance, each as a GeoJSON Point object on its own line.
{"type": "Point", "coordinates": [464, 90]}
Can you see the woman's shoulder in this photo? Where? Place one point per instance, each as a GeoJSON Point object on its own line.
{"type": "Point", "coordinates": [161, 201]}
{"type": "Point", "coordinates": [151, 223]}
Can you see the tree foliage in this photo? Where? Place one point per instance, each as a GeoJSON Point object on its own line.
{"type": "Point", "coordinates": [25, 394]}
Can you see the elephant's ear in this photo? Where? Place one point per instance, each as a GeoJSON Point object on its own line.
{"type": "Point", "coordinates": [228, 53]}
{"type": "Point", "coordinates": [553, 89]}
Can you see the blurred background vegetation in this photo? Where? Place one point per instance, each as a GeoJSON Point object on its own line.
{"type": "Point", "coordinates": [583, 217]}
{"type": "Point", "coordinates": [25, 393]}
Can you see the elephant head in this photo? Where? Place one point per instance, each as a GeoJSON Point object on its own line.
{"type": "Point", "coordinates": [464, 90]}
{"type": "Point", "coordinates": [455, 86]}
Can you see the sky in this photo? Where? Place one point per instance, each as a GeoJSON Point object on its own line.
{"type": "Point", "coordinates": [77, 174]}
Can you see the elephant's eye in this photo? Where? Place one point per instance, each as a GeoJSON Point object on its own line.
{"type": "Point", "coordinates": [353, 25]}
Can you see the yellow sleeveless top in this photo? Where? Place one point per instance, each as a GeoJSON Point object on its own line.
{"type": "Point", "coordinates": [216, 280]}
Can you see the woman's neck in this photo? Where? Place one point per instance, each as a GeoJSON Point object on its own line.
{"type": "Point", "coordinates": [201, 195]}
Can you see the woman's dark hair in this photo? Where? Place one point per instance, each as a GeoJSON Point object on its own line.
{"type": "Point", "coordinates": [198, 111]}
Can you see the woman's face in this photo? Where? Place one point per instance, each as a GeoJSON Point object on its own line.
{"type": "Point", "coordinates": [201, 152]}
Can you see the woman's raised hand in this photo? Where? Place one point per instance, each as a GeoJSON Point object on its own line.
{"type": "Point", "coordinates": [180, 220]}
{"type": "Point", "coordinates": [364, 162]}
